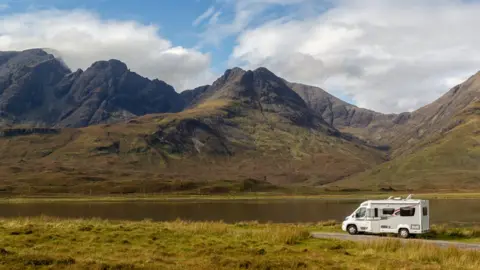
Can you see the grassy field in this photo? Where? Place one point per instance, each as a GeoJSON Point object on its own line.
{"type": "Point", "coordinates": [46, 243]}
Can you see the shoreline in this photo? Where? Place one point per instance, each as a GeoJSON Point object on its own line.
{"type": "Point", "coordinates": [51, 198]}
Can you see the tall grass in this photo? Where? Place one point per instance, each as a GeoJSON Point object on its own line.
{"type": "Point", "coordinates": [52, 243]}
{"type": "Point", "coordinates": [447, 231]}
{"type": "Point", "coordinates": [450, 258]}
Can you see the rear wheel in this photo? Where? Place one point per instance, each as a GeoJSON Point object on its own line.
{"type": "Point", "coordinates": [403, 233]}
{"type": "Point", "coordinates": [352, 229]}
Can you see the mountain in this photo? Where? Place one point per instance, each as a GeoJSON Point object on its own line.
{"type": "Point", "coordinates": [373, 127]}
{"type": "Point", "coordinates": [189, 96]}
{"type": "Point", "coordinates": [448, 160]}
{"type": "Point", "coordinates": [400, 132]}
{"type": "Point", "coordinates": [436, 118]}
{"type": "Point", "coordinates": [335, 111]}
{"type": "Point", "coordinates": [39, 89]}
{"type": "Point", "coordinates": [109, 130]}
{"type": "Point", "coordinates": [438, 147]}
{"type": "Point", "coordinates": [25, 79]}
{"type": "Point", "coordinates": [260, 90]}
{"type": "Point", "coordinates": [248, 128]}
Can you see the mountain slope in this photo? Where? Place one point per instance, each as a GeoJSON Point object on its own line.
{"type": "Point", "coordinates": [437, 117]}
{"type": "Point", "coordinates": [109, 130]}
{"type": "Point", "coordinates": [401, 132]}
{"type": "Point", "coordinates": [38, 89]}
{"type": "Point", "coordinates": [437, 148]}
{"type": "Point", "coordinates": [335, 111]}
{"type": "Point", "coordinates": [109, 92]}
{"type": "Point", "coordinates": [373, 127]}
{"type": "Point", "coordinates": [448, 160]}
{"type": "Point", "coordinates": [247, 125]}
{"type": "Point", "coordinates": [261, 90]}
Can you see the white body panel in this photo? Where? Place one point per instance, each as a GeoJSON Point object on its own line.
{"type": "Point", "coordinates": [391, 215]}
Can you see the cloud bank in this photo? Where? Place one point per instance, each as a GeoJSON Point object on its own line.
{"type": "Point", "coordinates": [387, 55]}
{"type": "Point", "coordinates": [81, 38]}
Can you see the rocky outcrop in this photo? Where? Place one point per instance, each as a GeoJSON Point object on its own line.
{"type": "Point", "coordinates": [189, 96]}
{"type": "Point", "coordinates": [38, 89]}
{"type": "Point", "coordinates": [109, 92]}
{"type": "Point", "coordinates": [261, 90]}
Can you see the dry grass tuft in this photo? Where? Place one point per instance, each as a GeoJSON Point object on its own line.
{"type": "Point", "coordinates": [52, 243]}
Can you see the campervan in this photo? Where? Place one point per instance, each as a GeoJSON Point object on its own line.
{"type": "Point", "coordinates": [404, 217]}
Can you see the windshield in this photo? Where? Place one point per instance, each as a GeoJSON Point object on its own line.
{"type": "Point", "coordinates": [360, 212]}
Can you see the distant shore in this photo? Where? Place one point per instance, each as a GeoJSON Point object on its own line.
{"type": "Point", "coordinates": [238, 196]}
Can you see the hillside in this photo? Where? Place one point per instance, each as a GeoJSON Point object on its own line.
{"type": "Point", "coordinates": [246, 132]}
{"type": "Point", "coordinates": [109, 130]}
{"type": "Point", "coordinates": [373, 127]}
{"type": "Point", "coordinates": [401, 132]}
{"type": "Point", "coordinates": [447, 159]}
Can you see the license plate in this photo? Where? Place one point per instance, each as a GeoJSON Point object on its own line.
{"type": "Point", "coordinates": [415, 227]}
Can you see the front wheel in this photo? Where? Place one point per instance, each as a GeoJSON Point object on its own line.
{"type": "Point", "coordinates": [403, 233]}
{"type": "Point", "coordinates": [352, 229]}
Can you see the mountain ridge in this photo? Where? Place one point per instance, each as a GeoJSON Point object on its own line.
{"type": "Point", "coordinates": [113, 125]}
{"type": "Point", "coordinates": [105, 92]}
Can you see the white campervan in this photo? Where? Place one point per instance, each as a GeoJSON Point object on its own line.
{"type": "Point", "coordinates": [393, 215]}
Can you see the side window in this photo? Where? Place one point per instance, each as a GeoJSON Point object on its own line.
{"type": "Point", "coordinates": [425, 211]}
{"type": "Point", "coordinates": [376, 212]}
{"type": "Point", "coordinates": [388, 211]}
{"type": "Point", "coordinates": [407, 212]}
{"type": "Point", "coordinates": [360, 212]}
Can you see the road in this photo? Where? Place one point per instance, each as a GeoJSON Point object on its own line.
{"type": "Point", "coordinates": [440, 243]}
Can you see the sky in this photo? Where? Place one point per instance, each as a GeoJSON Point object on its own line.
{"type": "Point", "coordinates": [386, 55]}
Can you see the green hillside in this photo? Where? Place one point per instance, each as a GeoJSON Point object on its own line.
{"type": "Point", "coordinates": [446, 161]}
{"type": "Point", "coordinates": [218, 146]}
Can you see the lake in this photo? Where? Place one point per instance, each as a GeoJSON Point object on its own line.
{"type": "Point", "coordinates": [278, 211]}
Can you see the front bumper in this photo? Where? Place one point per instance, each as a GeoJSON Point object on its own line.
{"type": "Point", "coordinates": [344, 226]}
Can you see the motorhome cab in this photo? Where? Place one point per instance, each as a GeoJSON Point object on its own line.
{"type": "Point", "coordinates": [393, 215]}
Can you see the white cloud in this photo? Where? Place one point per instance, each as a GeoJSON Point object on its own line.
{"type": "Point", "coordinates": [83, 38]}
{"type": "Point", "coordinates": [214, 18]}
{"type": "Point", "coordinates": [388, 55]}
{"type": "Point", "coordinates": [204, 16]}
{"type": "Point", "coordinates": [245, 13]}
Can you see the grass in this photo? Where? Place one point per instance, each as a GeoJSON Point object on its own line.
{"type": "Point", "coordinates": [48, 243]}
{"type": "Point", "coordinates": [452, 233]}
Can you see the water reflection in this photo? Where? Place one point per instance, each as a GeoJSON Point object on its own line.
{"type": "Point", "coordinates": [280, 211]}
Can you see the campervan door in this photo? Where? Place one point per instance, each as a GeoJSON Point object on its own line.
{"type": "Point", "coordinates": [425, 215]}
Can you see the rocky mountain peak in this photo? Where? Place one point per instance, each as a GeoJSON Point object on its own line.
{"type": "Point", "coordinates": [113, 66]}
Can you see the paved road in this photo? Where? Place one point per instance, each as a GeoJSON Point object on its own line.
{"type": "Point", "coordinates": [440, 243]}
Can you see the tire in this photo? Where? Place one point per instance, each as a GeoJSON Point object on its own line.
{"type": "Point", "coordinates": [352, 229]}
{"type": "Point", "coordinates": [403, 233]}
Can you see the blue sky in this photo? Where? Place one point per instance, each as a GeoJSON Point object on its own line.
{"type": "Point", "coordinates": [174, 18]}
{"type": "Point", "coordinates": [385, 55]}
